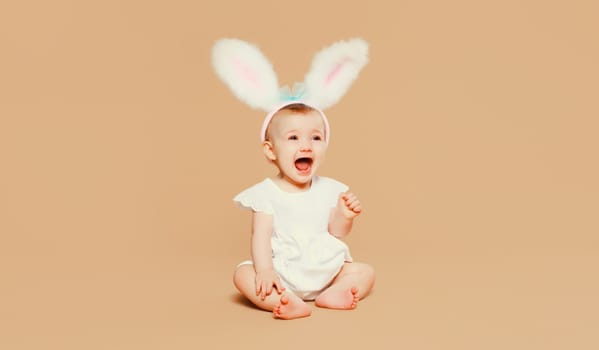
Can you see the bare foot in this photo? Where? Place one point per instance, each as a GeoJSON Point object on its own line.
{"type": "Point", "coordinates": [338, 299]}
{"type": "Point", "coordinates": [291, 307]}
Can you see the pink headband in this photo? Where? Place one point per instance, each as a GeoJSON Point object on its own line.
{"type": "Point", "coordinates": [327, 129]}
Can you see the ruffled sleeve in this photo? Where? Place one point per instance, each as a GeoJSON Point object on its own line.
{"type": "Point", "coordinates": [255, 199]}
{"type": "Point", "coordinates": [333, 188]}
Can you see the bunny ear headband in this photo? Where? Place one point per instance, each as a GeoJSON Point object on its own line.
{"type": "Point", "coordinates": [250, 76]}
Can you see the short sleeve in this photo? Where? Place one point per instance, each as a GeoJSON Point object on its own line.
{"type": "Point", "coordinates": [255, 199]}
{"type": "Point", "coordinates": [333, 188]}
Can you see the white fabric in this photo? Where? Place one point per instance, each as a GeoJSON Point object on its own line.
{"type": "Point", "coordinates": [305, 255]}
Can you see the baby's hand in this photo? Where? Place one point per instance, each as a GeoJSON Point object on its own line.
{"type": "Point", "coordinates": [264, 282]}
{"type": "Point", "coordinates": [349, 205]}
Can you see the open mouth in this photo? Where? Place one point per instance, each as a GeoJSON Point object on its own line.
{"type": "Point", "coordinates": [304, 165]}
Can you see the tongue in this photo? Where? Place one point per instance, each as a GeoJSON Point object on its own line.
{"type": "Point", "coordinates": [302, 164]}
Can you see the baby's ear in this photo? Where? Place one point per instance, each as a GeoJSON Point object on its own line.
{"type": "Point", "coordinates": [247, 72]}
{"type": "Point", "coordinates": [268, 150]}
{"type": "Point", "coordinates": [333, 71]}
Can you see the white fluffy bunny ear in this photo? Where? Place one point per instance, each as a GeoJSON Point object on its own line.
{"type": "Point", "coordinates": [333, 71]}
{"type": "Point", "coordinates": [247, 72]}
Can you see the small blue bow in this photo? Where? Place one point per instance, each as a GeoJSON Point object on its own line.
{"type": "Point", "coordinates": [294, 94]}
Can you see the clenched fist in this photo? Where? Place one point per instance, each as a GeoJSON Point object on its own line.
{"type": "Point", "coordinates": [349, 205]}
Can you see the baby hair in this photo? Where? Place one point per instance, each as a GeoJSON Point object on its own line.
{"type": "Point", "coordinates": [297, 108]}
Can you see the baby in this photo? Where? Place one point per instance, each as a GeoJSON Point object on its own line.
{"type": "Point", "coordinates": [297, 216]}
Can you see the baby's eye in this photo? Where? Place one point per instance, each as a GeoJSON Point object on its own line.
{"type": "Point", "coordinates": [292, 137]}
{"type": "Point", "coordinates": [316, 138]}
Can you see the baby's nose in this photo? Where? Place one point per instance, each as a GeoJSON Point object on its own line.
{"type": "Point", "coordinates": [306, 146]}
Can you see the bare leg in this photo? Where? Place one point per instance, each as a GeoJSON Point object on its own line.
{"type": "Point", "coordinates": [354, 282]}
{"type": "Point", "coordinates": [285, 306]}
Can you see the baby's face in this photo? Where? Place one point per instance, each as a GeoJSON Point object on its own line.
{"type": "Point", "coordinates": [298, 145]}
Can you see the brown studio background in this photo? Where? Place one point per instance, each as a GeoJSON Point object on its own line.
{"type": "Point", "coordinates": [470, 138]}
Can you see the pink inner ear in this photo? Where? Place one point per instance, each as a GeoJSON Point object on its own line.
{"type": "Point", "coordinates": [335, 72]}
{"type": "Point", "coordinates": [246, 73]}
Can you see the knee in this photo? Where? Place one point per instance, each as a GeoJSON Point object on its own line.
{"type": "Point", "coordinates": [368, 270]}
{"type": "Point", "coordinates": [367, 273]}
{"type": "Point", "coordinates": [238, 273]}
{"type": "Point", "coordinates": [361, 268]}
{"type": "Point", "coordinates": [241, 275]}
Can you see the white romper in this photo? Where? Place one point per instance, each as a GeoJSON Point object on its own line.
{"type": "Point", "coordinates": [305, 255]}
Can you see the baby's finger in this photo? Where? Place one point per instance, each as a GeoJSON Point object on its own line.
{"type": "Point", "coordinates": [265, 291]}
{"type": "Point", "coordinates": [269, 289]}
{"type": "Point", "coordinates": [341, 199]}
{"type": "Point", "coordinates": [354, 204]}
{"type": "Point", "coordinates": [351, 199]}
{"type": "Point", "coordinates": [348, 196]}
{"type": "Point", "coordinates": [280, 288]}
{"type": "Point", "coordinates": [258, 287]}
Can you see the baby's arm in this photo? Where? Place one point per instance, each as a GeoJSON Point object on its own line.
{"type": "Point", "coordinates": [266, 276]}
{"type": "Point", "coordinates": [342, 216]}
